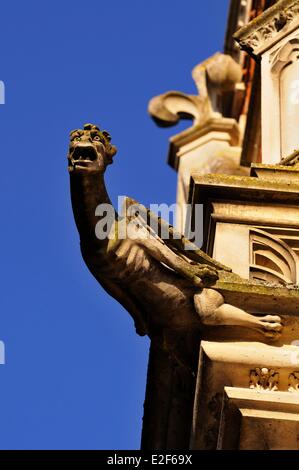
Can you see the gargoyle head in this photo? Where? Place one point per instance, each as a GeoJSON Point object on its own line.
{"type": "Point", "coordinates": [90, 150]}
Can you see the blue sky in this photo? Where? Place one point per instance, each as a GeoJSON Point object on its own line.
{"type": "Point", "coordinates": [75, 370]}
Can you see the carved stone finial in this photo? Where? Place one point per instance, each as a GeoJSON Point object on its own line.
{"type": "Point", "coordinates": [167, 109]}
{"type": "Point", "coordinates": [216, 75]}
{"type": "Point", "coordinates": [213, 77]}
{"type": "Point", "coordinates": [264, 379]}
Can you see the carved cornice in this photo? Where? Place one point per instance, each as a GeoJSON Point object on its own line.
{"type": "Point", "coordinates": [268, 28]}
{"type": "Point", "coordinates": [238, 17]}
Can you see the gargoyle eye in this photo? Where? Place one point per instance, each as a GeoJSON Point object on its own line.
{"type": "Point", "coordinates": [97, 138]}
{"type": "Point", "coordinates": [77, 139]}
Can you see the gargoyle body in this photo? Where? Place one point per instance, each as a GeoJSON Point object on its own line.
{"type": "Point", "coordinates": [160, 284]}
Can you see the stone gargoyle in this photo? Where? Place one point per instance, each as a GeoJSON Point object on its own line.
{"type": "Point", "coordinates": [159, 283]}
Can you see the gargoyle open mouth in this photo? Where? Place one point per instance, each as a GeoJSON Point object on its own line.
{"type": "Point", "coordinates": [84, 154]}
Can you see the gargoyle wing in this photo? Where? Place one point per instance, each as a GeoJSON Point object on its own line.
{"type": "Point", "coordinates": [157, 228]}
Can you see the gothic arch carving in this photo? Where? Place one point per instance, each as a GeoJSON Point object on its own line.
{"type": "Point", "coordinates": [272, 260]}
{"type": "Point", "coordinates": [285, 55]}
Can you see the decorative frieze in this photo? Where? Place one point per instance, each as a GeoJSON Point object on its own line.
{"type": "Point", "coordinates": [269, 27]}
{"type": "Point", "coordinates": [294, 382]}
{"type": "Point", "coordinates": [264, 379]}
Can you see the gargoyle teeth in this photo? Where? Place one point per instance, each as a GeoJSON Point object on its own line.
{"type": "Point", "coordinates": [84, 154]}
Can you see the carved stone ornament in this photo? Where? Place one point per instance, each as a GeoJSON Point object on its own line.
{"type": "Point", "coordinates": [291, 160]}
{"type": "Point", "coordinates": [273, 260]}
{"type": "Point", "coordinates": [293, 382]}
{"type": "Point", "coordinates": [286, 53]}
{"type": "Point", "coordinates": [213, 77]}
{"type": "Point", "coordinates": [276, 20]}
{"type": "Point", "coordinates": [264, 379]}
{"type": "Point", "coordinates": [140, 259]}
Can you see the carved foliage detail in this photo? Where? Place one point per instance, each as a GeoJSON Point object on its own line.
{"type": "Point", "coordinates": [269, 28]}
{"type": "Point", "coordinates": [293, 385]}
{"type": "Point", "coordinates": [264, 379]}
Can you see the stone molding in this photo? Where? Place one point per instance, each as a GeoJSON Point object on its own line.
{"type": "Point", "coordinates": [269, 28]}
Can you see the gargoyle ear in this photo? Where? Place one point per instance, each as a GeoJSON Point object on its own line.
{"type": "Point", "coordinates": [110, 152]}
{"type": "Point", "coordinates": [107, 135]}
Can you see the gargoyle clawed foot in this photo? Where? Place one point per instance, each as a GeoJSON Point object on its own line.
{"type": "Point", "coordinates": [199, 272]}
{"type": "Point", "coordinates": [271, 326]}
{"type": "Point", "coordinates": [212, 310]}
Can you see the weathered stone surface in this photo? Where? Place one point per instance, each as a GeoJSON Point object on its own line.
{"type": "Point", "coordinates": [173, 295]}
{"type": "Point", "coordinates": [238, 380]}
{"type": "Point", "coordinates": [247, 387]}
{"type": "Point", "coordinates": [258, 420]}
{"type": "Point", "coordinates": [133, 269]}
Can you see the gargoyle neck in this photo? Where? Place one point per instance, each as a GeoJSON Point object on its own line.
{"type": "Point", "coordinates": [88, 191]}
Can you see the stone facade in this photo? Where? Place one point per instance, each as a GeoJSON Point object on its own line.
{"type": "Point", "coordinates": [246, 394]}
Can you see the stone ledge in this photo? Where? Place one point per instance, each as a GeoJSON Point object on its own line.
{"type": "Point", "coordinates": [258, 420]}
{"type": "Point", "coordinates": [277, 172]}
{"type": "Point", "coordinates": [261, 299]}
{"type": "Point", "coordinates": [242, 188]}
{"type": "Point", "coordinates": [236, 369]}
